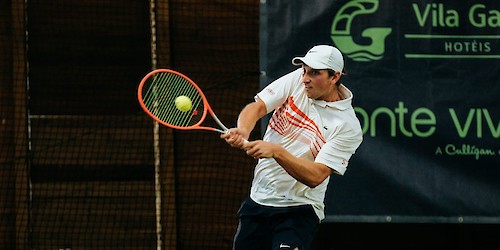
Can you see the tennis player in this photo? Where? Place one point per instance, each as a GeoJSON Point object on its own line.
{"type": "Point", "coordinates": [311, 135]}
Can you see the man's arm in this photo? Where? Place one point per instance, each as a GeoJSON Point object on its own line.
{"type": "Point", "coordinates": [308, 172]}
{"type": "Point", "coordinates": [247, 119]}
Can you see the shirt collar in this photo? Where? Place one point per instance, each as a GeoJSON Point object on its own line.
{"type": "Point", "coordinates": [340, 105]}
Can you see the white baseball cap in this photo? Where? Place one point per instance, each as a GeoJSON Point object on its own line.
{"type": "Point", "coordinates": [322, 57]}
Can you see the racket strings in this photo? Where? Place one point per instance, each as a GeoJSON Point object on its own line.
{"type": "Point", "coordinates": [160, 97]}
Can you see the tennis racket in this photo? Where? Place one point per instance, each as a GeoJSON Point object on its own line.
{"type": "Point", "coordinates": [158, 92]}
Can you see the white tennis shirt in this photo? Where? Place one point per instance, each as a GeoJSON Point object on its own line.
{"type": "Point", "coordinates": [324, 132]}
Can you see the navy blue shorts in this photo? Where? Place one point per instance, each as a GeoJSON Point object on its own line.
{"type": "Point", "coordinates": [275, 228]}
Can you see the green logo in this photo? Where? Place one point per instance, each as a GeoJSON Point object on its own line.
{"type": "Point", "coordinates": [342, 37]}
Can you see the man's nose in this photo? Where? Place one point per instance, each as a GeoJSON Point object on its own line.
{"type": "Point", "coordinates": [306, 79]}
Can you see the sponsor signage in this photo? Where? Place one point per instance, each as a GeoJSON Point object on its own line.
{"type": "Point", "coordinates": [426, 83]}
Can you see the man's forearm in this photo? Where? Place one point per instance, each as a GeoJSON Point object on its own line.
{"type": "Point", "coordinates": [249, 116]}
{"type": "Point", "coordinates": [309, 173]}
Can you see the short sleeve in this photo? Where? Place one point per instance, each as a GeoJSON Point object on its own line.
{"type": "Point", "coordinates": [337, 152]}
{"type": "Point", "coordinates": [276, 93]}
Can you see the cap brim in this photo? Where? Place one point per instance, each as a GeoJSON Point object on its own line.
{"type": "Point", "coordinates": [298, 61]}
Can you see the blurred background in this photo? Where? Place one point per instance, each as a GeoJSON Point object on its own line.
{"type": "Point", "coordinates": [82, 167]}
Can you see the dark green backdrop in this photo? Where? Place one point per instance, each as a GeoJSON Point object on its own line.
{"type": "Point", "coordinates": [425, 77]}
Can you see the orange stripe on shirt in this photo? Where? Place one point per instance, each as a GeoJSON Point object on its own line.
{"type": "Point", "coordinates": [290, 115]}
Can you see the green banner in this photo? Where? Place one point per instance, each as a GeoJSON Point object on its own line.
{"type": "Point", "coordinates": [426, 83]}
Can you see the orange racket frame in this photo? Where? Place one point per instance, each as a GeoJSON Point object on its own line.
{"type": "Point", "coordinates": [145, 85]}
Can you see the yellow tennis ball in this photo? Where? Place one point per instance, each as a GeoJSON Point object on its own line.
{"type": "Point", "coordinates": [183, 103]}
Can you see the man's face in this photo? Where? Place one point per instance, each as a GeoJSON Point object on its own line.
{"type": "Point", "coordinates": [319, 84]}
